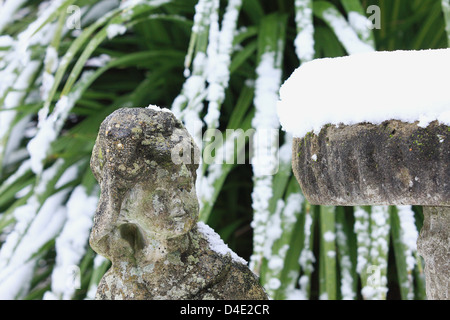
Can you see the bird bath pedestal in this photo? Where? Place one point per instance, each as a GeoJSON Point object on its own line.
{"type": "Point", "coordinates": [393, 163]}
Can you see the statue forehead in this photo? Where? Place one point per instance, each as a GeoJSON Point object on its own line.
{"type": "Point", "coordinates": [128, 122]}
{"type": "Point", "coordinates": [133, 138]}
{"type": "Point", "coordinates": [131, 127]}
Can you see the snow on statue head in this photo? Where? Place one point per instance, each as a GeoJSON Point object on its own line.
{"type": "Point", "coordinates": [146, 220]}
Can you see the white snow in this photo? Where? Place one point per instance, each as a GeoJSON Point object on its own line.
{"type": "Point", "coordinates": [202, 8]}
{"type": "Point", "coordinates": [265, 160]}
{"type": "Point", "coordinates": [47, 83]}
{"type": "Point", "coordinates": [71, 243]}
{"type": "Point", "coordinates": [346, 32]}
{"type": "Point", "coordinates": [51, 59]}
{"type": "Point", "coordinates": [285, 152]}
{"type": "Point", "coordinates": [156, 108]}
{"type": "Point", "coordinates": [51, 63]}
{"type": "Point", "coordinates": [329, 236]}
{"type": "Point", "coordinates": [331, 254]}
{"type": "Point", "coordinates": [361, 228]}
{"type": "Point", "coordinates": [361, 24]}
{"type": "Point", "coordinates": [7, 10]}
{"type": "Point", "coordinates": [273, 230]}
{"type": "Point", "coordinates": [409, 234]}
{"type": "Point", "coordinates": [372, 231]}
{"type": "Point", "coordinates": [15, 275]}
{"type": "Point", "coordinates": [21, 171]}
{"type": "Point", "coordinates": [266, 92]}
{"type": "Point", "coordinates": [40, 144]}
{"type": "Point", "coordinates": [347, 280]}
{"type": "Point", "coordinates": [35, 33]}
{"type": "Point", "coordinates": [97, 10]}
{"type": "Point", "coordinates": [369, 87]}
{"type": "Point", "coordinates": [195, 84]}
{"type": "Point", "coordinates": [14, 98]}
{"type": "Point", "coordinates": [347, 290]}
{"type": "Point", "coordinates": [274, 284]}
{"type": "Point", "coordinates": [189, 104]}
{"type": "Point", "coordinates": [205, 184]}
{"type": "Point", "coordinates": [306, 258]}
{"type": "Point", "coordinates": [68, 176]}
{"type": "Point", "coordinates": [276, 263]}
{"type": "Point", "coordinates": [446, 11]}
{"type": "Point", "coordinates": [216, 243]}
{"type": "Point", "coordinates": [99, 61]}
{"type": "Point", "coordinates": [6, 41]}
{"type": "Point", "coordinates": [132, 3]}
{"type": "Point", "coordinates": [191, 98]}
{"type": "Point", "coordinates": [293, 206]}
{"type": "Point", "coordinates": [92, 290]}
{"type": "Point", "coordinates": [49, 127]}
{"type": "Point", "coordinates": [323, 296]}
{"type": "Point", "coordinates": [304, 41]}
{"type": "Point", "coordinates": [114, 30]}
{"type": "Point", "coordinates": [23, 192]}
{"type": "Point", "coordinates": [38, 223]}
{"type": "Point", "coordinates": [13, 150]}
{"type": "Point", "coordinates": [224, 153]}
{"type": "Point", "coordinates": [219, 52]}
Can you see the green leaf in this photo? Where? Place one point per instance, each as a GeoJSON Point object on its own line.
{"type": "Point", "coordinates": [404, 280]}
{"type": "Point", "coordinates": [328, 252]}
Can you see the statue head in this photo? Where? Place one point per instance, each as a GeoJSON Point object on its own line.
{"type": "Point", "coordinates": [146, 192]}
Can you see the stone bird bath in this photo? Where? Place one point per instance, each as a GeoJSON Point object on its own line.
{"type": "Point", "coordinates": [357, 157]}
{"type": "Point", "coordinates": [394, 163]}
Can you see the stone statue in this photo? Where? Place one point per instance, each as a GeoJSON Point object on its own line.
{"type": "Point", "coordinates": [146, 221]}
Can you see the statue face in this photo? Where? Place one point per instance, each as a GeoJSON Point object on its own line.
{"type": "Point", "coordinates": [143, 193]}
{"type": "Point", "coordinates": [165, 209]}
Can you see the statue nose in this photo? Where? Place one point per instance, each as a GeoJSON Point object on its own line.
{"type": "Point", "coordinates": [106, 215]}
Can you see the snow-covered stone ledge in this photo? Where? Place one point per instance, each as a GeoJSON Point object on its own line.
{"type": "Point", "coordinates": [374, 129]}
{"type": "Point", "coordinates": [409, 86]}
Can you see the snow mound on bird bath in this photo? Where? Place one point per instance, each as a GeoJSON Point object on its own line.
{"type": "Point", "coordinates": [370, 87]}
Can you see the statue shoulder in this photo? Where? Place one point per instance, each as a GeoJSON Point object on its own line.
{"type": "Point", "coordinates": [233, 280]}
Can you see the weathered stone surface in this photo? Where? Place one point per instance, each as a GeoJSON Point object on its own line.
{"type": "Point", "coordinates": [394, 163]}
{"type": "Point", "coordinates": [146, 221]}
{"type": "Point", "coordinates": [434, 246]}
